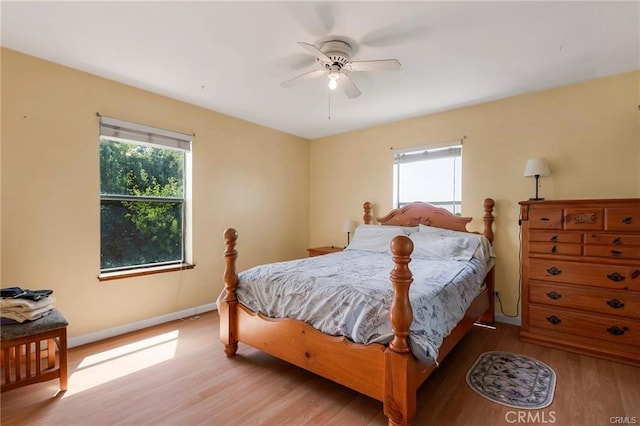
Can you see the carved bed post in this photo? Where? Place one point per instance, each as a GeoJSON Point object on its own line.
{"type": "Point", "coordinates": [401, 312]}
{"type": "Point", "coordinates": [488, 218]}
{"type": "Point", "coordinates": [399, 384]}
{"type": "Point", "coordinates": [489, 316]}
{"type": "Point", "coordinates": [367, 213]}
{"type": "Point", "coordinates": [229, 303]}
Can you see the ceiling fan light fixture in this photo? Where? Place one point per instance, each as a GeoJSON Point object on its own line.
{"type": "Point", "coordinates": [333, 80]}
{"type": "Point", "coordinates": [334, 76]}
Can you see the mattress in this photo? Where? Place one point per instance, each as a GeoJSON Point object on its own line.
{"type": "Point", "coordinates": [349, 294]}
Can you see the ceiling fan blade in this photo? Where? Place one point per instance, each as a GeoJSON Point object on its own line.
{"type": "Point", "coordinates": [406, 31]}
{"type": "Point", "coordinates": [348, 86]}
{"type": "Point", "coordinates": [326, 15]}
{"type": "Point", "coordinates": [315, 52]}
{"type": "Point", "coordinates": [299, 61]}
{"type": "Point", "coordinates": [306, 76]}
{"type": "Point", "coordinates": [317, 20]}
{"type": "Point", "coordinates": [379, 65]}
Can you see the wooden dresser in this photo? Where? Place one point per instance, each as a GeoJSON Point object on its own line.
{"type": "Point", "coordinates": [581, 276]}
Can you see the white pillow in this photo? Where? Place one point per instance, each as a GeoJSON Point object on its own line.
{"type": "Point", "coordinates": [428, 245]}
{"type": "Point", "coordinates": [483, 247]}
{"type": "Point", "coordinates": [410, 229]}
{"type": "Point", "coordinates": [445, 232]}
{"type": "Point", "coordinates": [374, 238]}
{"type": "Point", "coordinates": [407, 230]}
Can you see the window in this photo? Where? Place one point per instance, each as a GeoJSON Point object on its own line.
{"type": "Point", "coordinates": [431, 173]}
{"type": "Point", "coordinates": [144, 189]}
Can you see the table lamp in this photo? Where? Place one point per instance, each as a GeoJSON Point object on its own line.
{"type": "Point", "coordinates": [537, 167]}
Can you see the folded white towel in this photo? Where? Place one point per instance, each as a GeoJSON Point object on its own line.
{"type": "Point", "coordinates": [22, 315]}
{"type": "Point", "coordinates": [26, 304]}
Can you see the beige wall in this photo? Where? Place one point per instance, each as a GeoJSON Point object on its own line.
{"type": "Point", "coordinates": [588, 132]}
{"type": "Point", "coordinates": [637, 104]}
{"type": "Point", "coordinates": [263, 181]}
{"type": "Point", "coordinates": [244, 175]}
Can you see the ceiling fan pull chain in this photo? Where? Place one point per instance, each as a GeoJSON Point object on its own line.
{"type": "Point", "coordinates": [329, 105]}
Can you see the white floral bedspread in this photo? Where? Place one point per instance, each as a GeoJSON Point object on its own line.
{"type": "Point", "coordinates": [349, 294]}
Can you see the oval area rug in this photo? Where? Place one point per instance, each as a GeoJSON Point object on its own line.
{"type": "Point", "coordinates": [513, 380]}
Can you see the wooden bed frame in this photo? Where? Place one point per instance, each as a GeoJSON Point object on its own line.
{"type": "Point", "coordinates": [389, 373]}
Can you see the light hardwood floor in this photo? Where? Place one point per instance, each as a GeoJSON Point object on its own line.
{"type": "Point", "coordinates": [177, 374]}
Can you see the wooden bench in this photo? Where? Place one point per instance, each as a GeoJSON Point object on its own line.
{"type": "Point", "coordinates": [29, 352]}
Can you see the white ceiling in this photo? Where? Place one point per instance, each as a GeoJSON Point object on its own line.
{"type": "Point", "coordinates": [231, 56]}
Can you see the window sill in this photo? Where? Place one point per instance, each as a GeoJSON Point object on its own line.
{"type": "Point", "coordinates": [108, 276]}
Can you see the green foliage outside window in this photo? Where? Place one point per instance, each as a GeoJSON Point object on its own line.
{"type": "Point", "coordinates": [142, 204]}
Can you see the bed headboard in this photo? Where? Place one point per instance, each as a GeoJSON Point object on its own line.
{"type": "Point", "coordinates": [427, 214]}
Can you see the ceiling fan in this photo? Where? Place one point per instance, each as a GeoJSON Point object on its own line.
{"type": "Point", "coordinates": [334, 58]}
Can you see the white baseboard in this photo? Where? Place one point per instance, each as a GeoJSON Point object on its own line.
{"type": "Point", "coordinates": [508, 320]}
{"type": "Point", "coordinates": [139, 325]}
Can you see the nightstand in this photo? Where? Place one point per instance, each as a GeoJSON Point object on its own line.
{"type": "Point", "coordinates": [319, 251]}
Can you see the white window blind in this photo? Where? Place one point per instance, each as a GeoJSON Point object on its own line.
{"type": "Point", "coordinates": [127, 131]}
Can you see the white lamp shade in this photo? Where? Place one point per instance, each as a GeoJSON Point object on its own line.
{"type": "Point", "coordinates": [347, 226]}
{"type": "Point", "coordinates": [537, 166]}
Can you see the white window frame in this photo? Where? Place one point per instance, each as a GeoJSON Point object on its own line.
{"type": "Point", "coordinates": [124, 131]}
{"type": "Point", "coordinates": [426, 153]}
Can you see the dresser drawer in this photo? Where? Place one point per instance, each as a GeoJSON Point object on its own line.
{"type": "Point", "coordinates": [553, 248]}
{"type": "Point", "coordinates": [613, 239]}
{"type": "Point", "coordinates": [613, 252]}
{"type": "Point", "coordinates": [584, 218]}
{"type": "Point", "coordinates": [607, 276]}
{"type": "Point", "coordinates": [599, 327]}
{"type": "Point", "coordinates": [623, 219]}
{"type": "Point", "coordinates": [545, 219]}
{"type": "Point", "coordinates": [611, 302]}
{"type": "Point", "coordinates": [556, 237]}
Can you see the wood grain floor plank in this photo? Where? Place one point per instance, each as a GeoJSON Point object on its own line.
{"type": "Point", "coordinates": [177, 374]}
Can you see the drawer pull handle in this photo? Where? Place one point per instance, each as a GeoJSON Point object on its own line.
{"type": "Point", "coordinates": [627, 220]}
{"type": "Point", "coordinates": [617, 331]}
{"type": "Point", "coordinates": [554, 238]}
{"type": "Point", "coordinates": [616, 241]}
{"type": "Point", "coordinates": [554, 271]}
{"type": "Point", "coordinates": [615, 303]}
{"type": "Point", "coordinates": [635, 274]}
{"type": "Point", "coordinates": [554, 295]}
{"type": "Point", "coordinates": [616, 252]}
{"type": "Point", "coordinates": [554, 249]}
{"type": "Point", "coordinates": [545, 219]}
{"type": "Point", "coordinates": [615, 277]}
{"type": "Point", "coordinates": [554, 320]}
